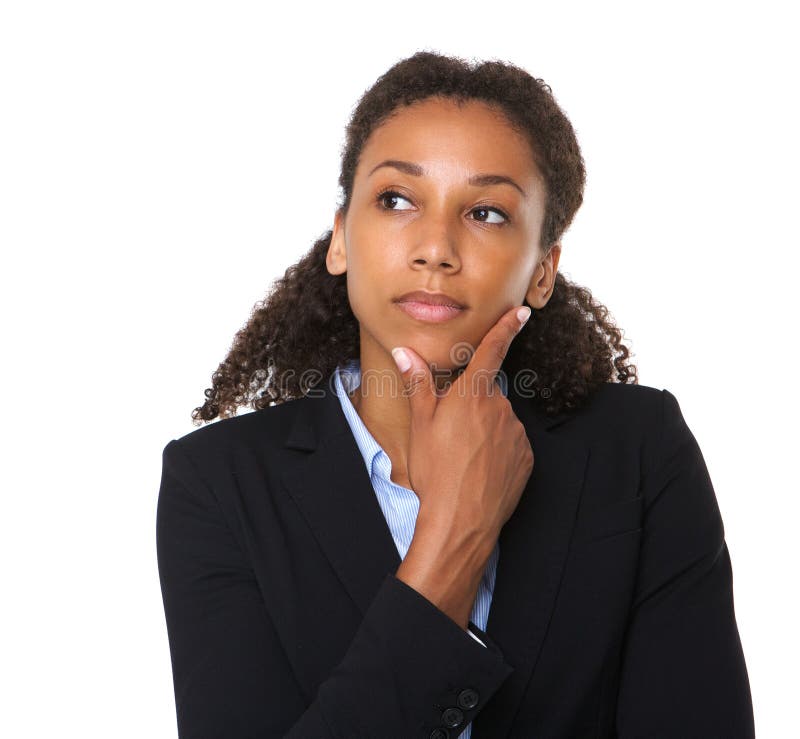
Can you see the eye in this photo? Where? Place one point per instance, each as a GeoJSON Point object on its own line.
{"type": "Point", "coordinates": [495, 211]}
{"type": "Point", "coordinates": [390, 195]}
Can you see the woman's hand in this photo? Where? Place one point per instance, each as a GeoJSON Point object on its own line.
{"type": "Point", "coordinates": [469, 457]}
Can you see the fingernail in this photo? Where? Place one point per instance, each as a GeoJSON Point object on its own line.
{"type": "Point", "coordinates": [401, 359]}
{"type": "Point", "coordinates": [524, 313]}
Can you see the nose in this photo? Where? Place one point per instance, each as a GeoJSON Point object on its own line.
{"type": "Point", "coordinates": [435, 245]}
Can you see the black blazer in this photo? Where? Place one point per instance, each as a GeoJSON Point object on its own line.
{"type": "Point", "coordinates": [612, 614]}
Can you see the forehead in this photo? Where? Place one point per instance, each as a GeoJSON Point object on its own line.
{"type": "Point", "coordinates": [472, 136]}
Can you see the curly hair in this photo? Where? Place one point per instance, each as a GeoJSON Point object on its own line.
{"type": "Point", "coordinates": [306, 321]}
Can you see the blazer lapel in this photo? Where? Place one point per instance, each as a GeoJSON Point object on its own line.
{"type": "Point", "coordinates": [331, 486]}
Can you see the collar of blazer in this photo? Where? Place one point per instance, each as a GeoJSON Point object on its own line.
{"type": "Point", "coordinates": [331, 486]}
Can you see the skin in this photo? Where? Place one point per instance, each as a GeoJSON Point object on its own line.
{"type": "Point", "coordinates": [437, 234]}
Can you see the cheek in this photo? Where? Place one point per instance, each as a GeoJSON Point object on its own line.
{"type": "Point", "coordinates": [511, 279]}
{"type": "Point", "coordinates": [374, 269]}
{"type": "Point", "coordinates": [498, 282]}
{"type": "Point", "coordinates": [371, 283]}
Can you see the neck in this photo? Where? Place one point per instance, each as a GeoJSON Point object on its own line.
{"type": "Point", "coordinates": [385, 410]}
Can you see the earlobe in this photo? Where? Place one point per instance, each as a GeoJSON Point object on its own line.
{"type": "Point", "coordinates": [544, 279]}
{"type": "Point", "coordinates": [335, 261]}
{"type": "Point", "coordinates": [535, 296]}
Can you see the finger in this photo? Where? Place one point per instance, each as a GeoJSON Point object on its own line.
{"type": "Point", "coordinates": [418, 385]}
{"type": "Point", "coordinates": [492, 350]}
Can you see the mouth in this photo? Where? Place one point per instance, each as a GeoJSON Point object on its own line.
{"type": "Point", "coordinates": [427, 312]}
{"type": "Point", "coordinates": [429, 298]}
{"type": "Point", "coordinates": [429, 307]}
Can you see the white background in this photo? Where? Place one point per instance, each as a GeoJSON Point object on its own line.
{"type": "Point", "coordinates": [162, 162]}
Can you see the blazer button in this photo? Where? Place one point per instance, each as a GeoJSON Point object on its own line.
{"type": "Point", "coordinates": [468, 698]}
{"type": "Point", "coordinates": [452, 717]}
{"type": "Point", "coordinates": [440, 734]}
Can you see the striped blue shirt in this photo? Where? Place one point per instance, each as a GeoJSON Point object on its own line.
{"type": "Point", "coordinates": [399, 504]}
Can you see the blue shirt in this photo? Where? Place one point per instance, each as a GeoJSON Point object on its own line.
{"type": "Point", "coordinates": [399, 504]}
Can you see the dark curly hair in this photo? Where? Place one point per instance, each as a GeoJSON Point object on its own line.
{"type": "Point", "coordinates": [571, 345]}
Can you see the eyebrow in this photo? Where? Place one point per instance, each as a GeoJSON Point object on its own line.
{"type": "Point", "coordinates": [479, 180]}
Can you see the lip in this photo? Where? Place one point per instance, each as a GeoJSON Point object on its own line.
{"type": "Point", "coordinates": [428, 312]}
{"type": "Point", "coordinates": [435, 299]}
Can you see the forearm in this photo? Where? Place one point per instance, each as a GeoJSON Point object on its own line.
{"type": "Point", "coordinates": [445, 564]}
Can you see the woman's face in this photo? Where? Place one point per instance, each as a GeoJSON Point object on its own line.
{"type": "Point", "coordinates": [420, 224]}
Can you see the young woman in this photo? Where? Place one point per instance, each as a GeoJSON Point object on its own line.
{"type": "Point", "coordinates": [494, 531]}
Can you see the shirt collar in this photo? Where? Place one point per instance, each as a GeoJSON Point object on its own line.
{"type": "Point", "coordinates": [347, 378]}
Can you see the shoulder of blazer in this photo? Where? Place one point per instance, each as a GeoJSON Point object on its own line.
{"type": "Point", "coordinates": [263, 429]}
{"type": "Point", "coordinates": [623, 405]}
{"type": "Point", "coordinates": [613, 407]}
{"type": "Point", "coordinates": [622, 419]}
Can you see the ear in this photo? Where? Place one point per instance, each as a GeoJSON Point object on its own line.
{"type": "Point", "coordinates": [336, 258]}
{"type": "Point", "coordinates": [544, 278]}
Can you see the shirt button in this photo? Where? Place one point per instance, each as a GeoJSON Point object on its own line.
{"type": "Point", "coordinates": [468, 698]}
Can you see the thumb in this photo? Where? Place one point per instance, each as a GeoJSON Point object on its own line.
{"type": "Point", "coordinates": [417, 380]}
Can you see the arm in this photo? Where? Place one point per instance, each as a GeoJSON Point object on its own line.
{"type": "Point", "coordinates": [683, 671]}
{"type": "Point", "coordinates": [232, 678]}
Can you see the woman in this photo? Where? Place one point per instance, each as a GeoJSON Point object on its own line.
{"type": "Point", "coordinates": [494, 531]}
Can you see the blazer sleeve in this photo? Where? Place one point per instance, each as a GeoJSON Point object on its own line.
{"type": "Point", "coordinates": [683, 671]}
{"type": "Point", "coordinates": [409, 669]}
